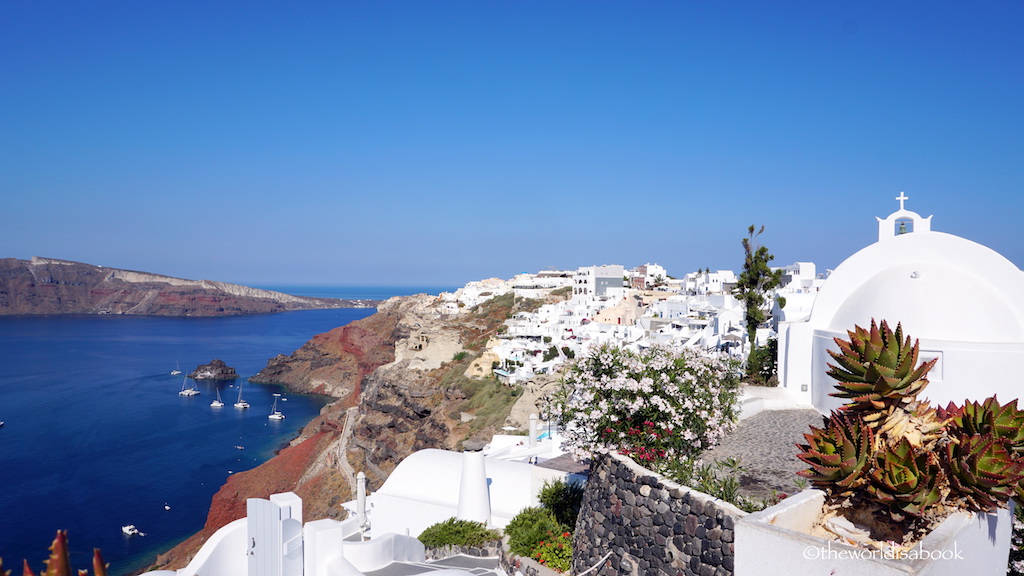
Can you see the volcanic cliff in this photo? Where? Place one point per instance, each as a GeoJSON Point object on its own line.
{"type": "Point", "coordinates": [400, 383]}
{"type": "Point", "coordinates": [50, 286]}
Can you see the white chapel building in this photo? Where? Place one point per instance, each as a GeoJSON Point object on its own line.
{"type": "Point", "coordinates": [962, 300]}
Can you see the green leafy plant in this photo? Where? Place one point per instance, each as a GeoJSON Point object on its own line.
{"type": "Point", "coordinates": [914, 463]}
{"type": "Point", "coordinates": [529, 527]}
{"type": "Point", "coordinates": [455, 532]}
{"type": "Point", "coordinates": [721, 479]}
{"type": "Point", "coordinates": [59, 562]}
{"type": "Point", "coordinates": [563, 499]}
{"type": "Point", "coordinates": [555, 551]}
{"type": "Point", "coordinates": [763, 364]}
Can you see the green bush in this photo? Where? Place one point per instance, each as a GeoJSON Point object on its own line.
{"type": "Point", "coordinates": [551, 353]}
{"type": "Point", "coordinates": [763, 363]}
{"type": "Point", "coordinates": [563, 499]}
{"type": "Point", "coordinates": [529, 528]}
{"type": "Point", "coordinates": [454, 532]}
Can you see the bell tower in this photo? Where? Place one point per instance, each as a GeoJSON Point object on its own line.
{"type": "Point", "coordinates": [896, 223]}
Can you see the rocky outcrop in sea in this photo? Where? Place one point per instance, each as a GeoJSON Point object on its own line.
{"type": "Point", "coordinates": [215, 370]}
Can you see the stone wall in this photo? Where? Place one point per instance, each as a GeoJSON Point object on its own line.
{"type": "Point", "coordinates": [650, 525]}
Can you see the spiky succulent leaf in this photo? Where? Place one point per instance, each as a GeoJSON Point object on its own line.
{"type": "Point", "coordinates": [983, 471]}
{"type": "Point", "coordinates": [838, 453]}
{"type": "Point", "coordinates": [906, 480]}
{"type": "Point", "coordinates": [989, 417]}
{"type": "Point", "coordinates": [876, 368]}
{"type": "Point", "coordinates": [59, 563]}
{"type": "Point", "coordinates": [99, 567]}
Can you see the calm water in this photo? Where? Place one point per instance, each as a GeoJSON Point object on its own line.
{"type": "Point", "coordinates": [96, 435]}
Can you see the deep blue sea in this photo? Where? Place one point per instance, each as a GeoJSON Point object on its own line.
{"type": "Point", "coordinates": [96, 435]}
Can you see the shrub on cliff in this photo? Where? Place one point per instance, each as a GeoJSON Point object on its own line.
{"type": "Point", "coordinates": [563, 499]}
{"type": "Point", "coordinates": [656, 405]}
{"type": "Point", "coordinates": [455, 532]}
{"type": "Point", "coordinates": [528, 528]}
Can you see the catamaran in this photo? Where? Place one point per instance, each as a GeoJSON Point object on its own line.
{"type": "Point", "coordinates": [187, 391]}
{"type": "Point", "coordinates": [275, 414]}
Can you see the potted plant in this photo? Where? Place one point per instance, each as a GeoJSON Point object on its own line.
{"type": "Point", "coordinates": [900, 484]}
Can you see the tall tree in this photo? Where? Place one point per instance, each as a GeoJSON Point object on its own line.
{"type": "Point", "coordinates": [754, 283]}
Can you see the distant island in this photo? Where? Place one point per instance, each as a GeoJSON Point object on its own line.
{"type": "Point", "coordinates": [50, 286]}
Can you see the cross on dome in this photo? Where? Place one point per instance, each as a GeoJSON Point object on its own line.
{"type": "Point", "coordinates": [902, 198]}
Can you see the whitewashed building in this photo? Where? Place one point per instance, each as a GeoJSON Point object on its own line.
{"type": "Point", "coordinates": [963, 301]}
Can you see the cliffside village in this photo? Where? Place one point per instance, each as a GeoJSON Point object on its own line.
{"type": "Point", "coordinates": [633, 308]}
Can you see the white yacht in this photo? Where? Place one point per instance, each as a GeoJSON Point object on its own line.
{"type": "Point", "coordinates": [218, 403]}
{"type": "Point", "coordinates": [276, 414]}
{"type": "Point", "coordinates": [241, 404]}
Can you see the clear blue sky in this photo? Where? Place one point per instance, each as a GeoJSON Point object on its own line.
{"type": "Point", "coordinates": [438, 142]}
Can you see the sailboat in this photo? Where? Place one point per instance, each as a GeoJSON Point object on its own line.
{"type": "Point", "coordinates": [241, 403]}
{"type": "Point", "coordinates": [177, 369]}
{"type": "Point", "coordinates": [187, 391]}
{"type": "Point", "coordinates": [275, 414]}
{"type": "Point", "coordinates": [218, 403]}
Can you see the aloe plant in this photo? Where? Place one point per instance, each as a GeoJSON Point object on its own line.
{"type": "Point", "coordinates": [876, 368]}
{"type": "Point", "coordinates": [983, 471]}
{"type": "Point", "coordinates": [989, 417]}
{"type": "Point", "coordinates": [837, 453]}
{"type": "Point", "coordinates": [887, 447]}
{"type": "Point", "coordinates": [906, 480]}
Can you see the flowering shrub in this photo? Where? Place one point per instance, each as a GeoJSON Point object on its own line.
{"type": "Point", "coordinates": [656, 405]}
{"type": "Point", "coordinates": [555, 552]}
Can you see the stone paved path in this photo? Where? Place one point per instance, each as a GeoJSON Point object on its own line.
{"type": "Point", "coordinates": [765, 446]}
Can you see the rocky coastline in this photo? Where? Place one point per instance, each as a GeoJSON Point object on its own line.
{"type": "Point", "coordinates": [51, 286]}
{"type": "Point", "coordinates": [392, 397]}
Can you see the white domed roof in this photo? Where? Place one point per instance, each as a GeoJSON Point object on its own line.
{"type": "Point", "coordinates": [939, 286]}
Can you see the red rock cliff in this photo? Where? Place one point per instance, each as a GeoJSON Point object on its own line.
{"type": "Point", "coordinates": [386, 409]}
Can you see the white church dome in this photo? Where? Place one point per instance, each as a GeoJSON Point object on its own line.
{"type": "Point", "coordinates": [939, 286]}
{"type": "Point", "coordinates": [962, 301]}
